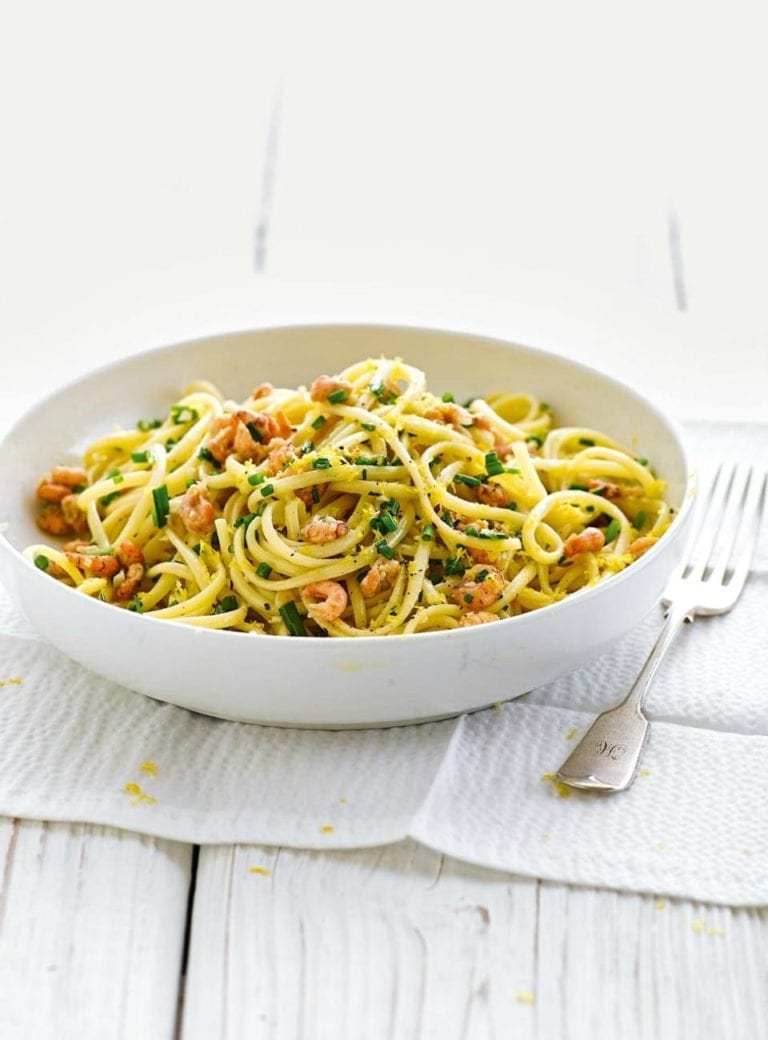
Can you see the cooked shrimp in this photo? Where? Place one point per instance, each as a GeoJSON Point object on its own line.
{"type": "Point", "coordinates": [479, 587]}
{"type": "Point", "coordinates": [591, 539]}
{"type": "Point", "coordinates": [477, 617]}
{"type": "Point", "coordinates": [323, 529]}
{"type": "Point", "coordinates": [642, 545]}
{"type": "Point", "coordinates": [382, 575]}
{"type": "Point", "coordinates": [196, 510]}
{"type": "Point", "coordinates": [323, 386]}
{"type": "Point", "coordinates": [100, 565]}
{"type": "Point", "coordinates": [220, 443]}
{"type": "Point", "coordinates": [279, 457]}
{"type": "Point", "coordinates": [60, 482]}
{"type": "Point", "coordinates": [493, 495]}
{"type": "Point", "coordinates": [253, 433]}
{"type": "Point", "coordinates": [450, 414]}
{"type": "Point", "coordinates": [51, 520]}
{"type": "Point", "coordinates": [478, 555]}
{"type": "Point", "coordinates": [74, 515]}
{"type": "Point", "coordinates": [129, 554]}
{"type": "Point", "coordinates": [262, 390]}
{"type": "Point", "coordinates": [325, 600]}
{"type": "Point", "coordinates": [306, 494]}
{"type": "Point", "coordinates": [129, 586]}
{"type": "Point", "coordinates": [609, 490]}
{"type": "Point", "coordinates": [48, 491]}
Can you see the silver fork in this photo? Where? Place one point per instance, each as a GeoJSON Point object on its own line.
{"type": "Point", "coordinates": [709, 581]}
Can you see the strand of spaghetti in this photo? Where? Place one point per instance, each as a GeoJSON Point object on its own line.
{"type": "Point", "coordinates": [201, 603]}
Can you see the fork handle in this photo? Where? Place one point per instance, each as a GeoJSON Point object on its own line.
{"type": "Point", "coordinates": [606, 757]}
{"type": "Point", "coordinates": [677, 616]}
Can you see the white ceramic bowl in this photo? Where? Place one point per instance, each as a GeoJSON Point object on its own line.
{"type": "Point", "coordinates": [332, 682]}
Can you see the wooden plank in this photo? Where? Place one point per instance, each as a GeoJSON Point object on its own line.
{"type": "Point", "coordinates": [402, 942]}
{"type": "Point", "coordinates": [91, 932]}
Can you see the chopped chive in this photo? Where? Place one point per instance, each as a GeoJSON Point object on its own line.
{"type": "Point", "coordinates": [544, 406]}
{"type": "Point", "coordinates": [244, 520]}
{"type": "Point", "coordinates": [181, 414]}
{"type": "Point", "coordinates": [453, 565]}
{"type": "Point", "coordinates": [227, 604]}
{"type": "Point", "coordinates": [149, 424]}
{"type": "Point", "coordinates": [481, 575]}
{"type": "Point", "coordinates": [161, 505]}
{"type": "Point", "coordinates": [467, 597]}
{"type": "Point", "coordinates": [191, 482]}
{"type": "Point", "coordinates": [384, 549]}
{"type": "Point", "coordinates": [171, 441]}
{"type": "Point", "coordinates": [321, 420]}
{"type": "Point", "coordinates": [493, 465]}
{"type": "Point", "coordinates": [256, 478]}
{"type": "Point", "coordinates": [366, 460]}
{"type": "Point", "coordinates": [196, 548]}
{"type": "Point", "coordinates": [78, 488]}
{"type": "Point", "coordinates": [512, 506]}
{"type": "Point", "coordinates": [393, 506]}
{"type": "Point", "coordinates": [106, 499]}
{"type": "Point", "coordinates": [369, 426]}
{"type": "Point", "coordinates": [449, 398]}
{"type": "Point", "coordinates": [434, 576]}
{"type": "Point", "coordinates": [578, 487]}
{"type": "Point", "coordinates": [205, 454]}
{"type": "Point", "coordinates": [448, 519]}
{"type": "Point", "coordinates": [263, 570]}
{"type": "Point", "coordinates": [643, 462]}
{"type": "Point", "coordinates": [140, 456]}
{"type": "Point", "coordinates": [639, 520]}
{"type": "Point", "coordinates": [491, 535]}
{"type": "Point", "coordinates": [536, 440]}
{"type": "Point", "coordinates": [307, 447]}
{"type": "Point", "coordinates": [472, 531]}
{"type": "Point", "coordinates": [267, 490]}
{"type": "Point", "coordinates": [42, 562]}
{"type": "Point", "coordinates": [315, 495]}
{"type": "Point", "coordinates": [588, 442]}
{"type": "Point", "coordinates": [255, 432]}
{"type": "Point", "coordinates": [337, 397]}
{"type": "Point", "coordinates": [612, 531]}
{"type": "Point", "coordinates": [116, 475]}
{"type": "Point", "coordinates": [136, 605]}
{"type": "Point", "coordinates": [511, 469]}
{"type": "Point", "coordinates": [321, 463]}
{"type": "Point", "coordinates": [387, 523]}
{"type": "Point", "coordinates": [292, 618]}
{"type": "Point", "coordinates": [428, 533]}
{"type": "Point", "coordinates": [260, 509]}
{"type": "Point", "coordinates": [463, 478]}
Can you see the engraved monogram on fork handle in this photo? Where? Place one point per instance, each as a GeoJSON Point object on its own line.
{"type": "Point", "coordinates": [606, 758]}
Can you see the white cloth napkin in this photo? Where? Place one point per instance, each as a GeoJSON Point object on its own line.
{"type": "Point", "coordinates": [695, 824]}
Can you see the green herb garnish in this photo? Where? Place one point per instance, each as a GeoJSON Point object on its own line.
{"type": "Point", "coordinates": [612, 531]}
{"type": "Point", "coordinates": [369, 426]}
{"type": "Point", "coordinates": [149, 424]}
{"type": "Point", "coordinates": [493, 465]}
{"type": "Point", "coordinates": [639, 520]}
{"type": "Point", "coordinates": [337, 397]}
{"type": "Point", "coordinates": [180, 413]}
{"type": "Point", "coordinates": [227, 604]}
{"type": "Point", "coordinates": [449, 398]}
{"type": "Point", "coordinates": [263, 570]}
{"type": "Point", "coordinates": [292, 618]}
{"type": "Point", "coordinates": [453, 565]}
{"type": "Point", "coordinates": [42, 562]}
{"type": "Point", "coordinates": [205, 454]}
{"type": "Point", "coordinates": [463, 478]}
{"type": "Point", "coordinates": [116, 475]}
{"type": "Point", "coordinates": [140, 456]}
{"type": "Point", "coordinates": [161, 505]}
{"type": "Point", "coordinates": [255, 432]}
{"type": "Point", "coordinates": [106, 499]}
{"type": "Point", "coordinates": [321, 420]}
{"type": "Point", "coordinates": [384, 549]}
{"type": "Point", "coordinates": [428, 533]}
{"type": "Point", "coordinates": [321, 463]}
{"type": "Point", "coordinates": [256, 478]}
{"type": "Point", "coordinates": [267, 490]}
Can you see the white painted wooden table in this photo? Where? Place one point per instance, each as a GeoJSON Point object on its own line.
{"type": "Point", "coordinates": [565, 178]}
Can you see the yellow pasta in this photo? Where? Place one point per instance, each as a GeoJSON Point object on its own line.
{"type": "Point", "coordinates": [363, 506]}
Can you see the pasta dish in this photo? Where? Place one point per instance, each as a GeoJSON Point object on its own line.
{"type": "Point", "coordinates": [365, 505]}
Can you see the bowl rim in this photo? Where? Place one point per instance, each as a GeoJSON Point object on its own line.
{"type": "Point", "coordinates": [522, 620]}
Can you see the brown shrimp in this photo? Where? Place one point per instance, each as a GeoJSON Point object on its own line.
{"type": "Point", "coordinates": [262, 390]}
{"type": "Point", "coordinates": [51, 520]}
{"type": "Point", "coordinates": [60, 482]}
{"type": "Point", "coordinates": [306, 496]}
{"type": "Point", "coordinates": [477, 617]}
{"type": "Point", "coordinates": [196, 510]}
{"type": "Point", "coordinates": [609, 490]}
{"type": "Point", "coordinates": [591, 539]}
{"type": "Point", "coordinates": [325, 600]}
{"type": "Point", "coordinates": [266, 427]}
{"type": "Point", "coordinates": [642, 545]}
{"type": "Point", "coordinates": [279, 457]}
{"type": "Point", "coordinates": [129, 554]}
{"type": "Point", "coordinates": [323, 386]}
{"type": "Point", "coordinates": [382, 575]}
{"type": "Point", "coordinates": [451, 414]}
{"type": "Point", "coordinates": [74, 515]}
{"type": "Point", "coordinates": [478, 555]}
{"type": "Point", "coordinates": [323, 529]}
{"type": "Point", "coordinates": [99, 565]}
{"type": "Point", "coordinates": [493, 495]}
{"type": "Point", "coordinates": [129, 586]}
{"type": "Point", "coordinates": [479, 587]}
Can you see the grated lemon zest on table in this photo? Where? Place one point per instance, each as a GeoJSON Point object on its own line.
{"type": "Point", "coordinates": [558, 787]}
{"type": "Point", "coordinates": [138, 796]}
{"type": "Point", "coordinates": [661, 904]}
{"type": "Point", "coordinates": [262, 871]}
{"type": "Point", "coordinates": [10, 682]}
{"type": "Point", "coordinates": [644, 772]}
{"type": "Point", "coordinates": [571, 732]}
{"type": "Point", "coordinates": [525, 996]}
{"type": "Point", "coordinates": [148, 767]}
{"type": "Point", "coordinates": [342, 801]}
{"type": "Point", "coordinates": [698, 925]}
{"type": "Point", "coordinates": [327, 828]}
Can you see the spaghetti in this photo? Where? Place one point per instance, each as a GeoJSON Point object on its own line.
{"type": "Point", "coordinates": [365, 505]}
